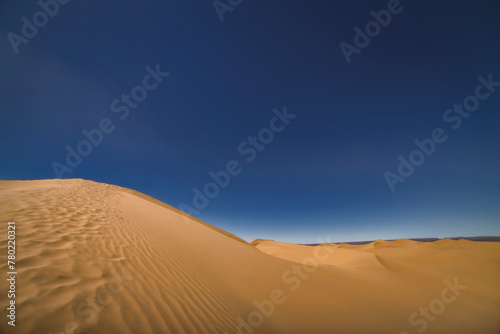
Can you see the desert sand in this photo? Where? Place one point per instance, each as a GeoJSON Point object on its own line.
{"type": "Point", "coordinates": [97, 258]}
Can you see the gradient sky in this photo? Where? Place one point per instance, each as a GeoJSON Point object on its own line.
{"type": "Point", "coordinates": [322, 178]}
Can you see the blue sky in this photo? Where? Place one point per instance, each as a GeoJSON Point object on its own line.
{"type": "Point", "coordinates": [323, 175]}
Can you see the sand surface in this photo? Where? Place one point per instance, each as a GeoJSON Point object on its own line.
{"type": "Point", "coordinates": [96, 258]}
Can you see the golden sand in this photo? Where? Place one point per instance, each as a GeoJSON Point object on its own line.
{"type": "Point", "coordinates": [98, 258]}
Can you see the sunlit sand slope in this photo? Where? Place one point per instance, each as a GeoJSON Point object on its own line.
{"type": "Point", "coordinates": [96, 258]}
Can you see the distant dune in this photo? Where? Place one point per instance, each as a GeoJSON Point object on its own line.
{"type": "Point", "coordinates": [480, 238]}
{"type": "Point", "coordinates": [97, 258]}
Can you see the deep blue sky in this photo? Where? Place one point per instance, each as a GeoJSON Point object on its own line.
{"type": "Point", "coordinates": [322, 177]}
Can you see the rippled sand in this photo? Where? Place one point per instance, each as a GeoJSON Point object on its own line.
{"type": "Point", "coordinates": [98, 258]}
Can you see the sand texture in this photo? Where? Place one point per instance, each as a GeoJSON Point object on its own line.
{"type": "Point", "coordinates": [97, 258]}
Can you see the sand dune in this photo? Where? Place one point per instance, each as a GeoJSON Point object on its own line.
{"type": "Point", "coordinates": [96, 258]}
